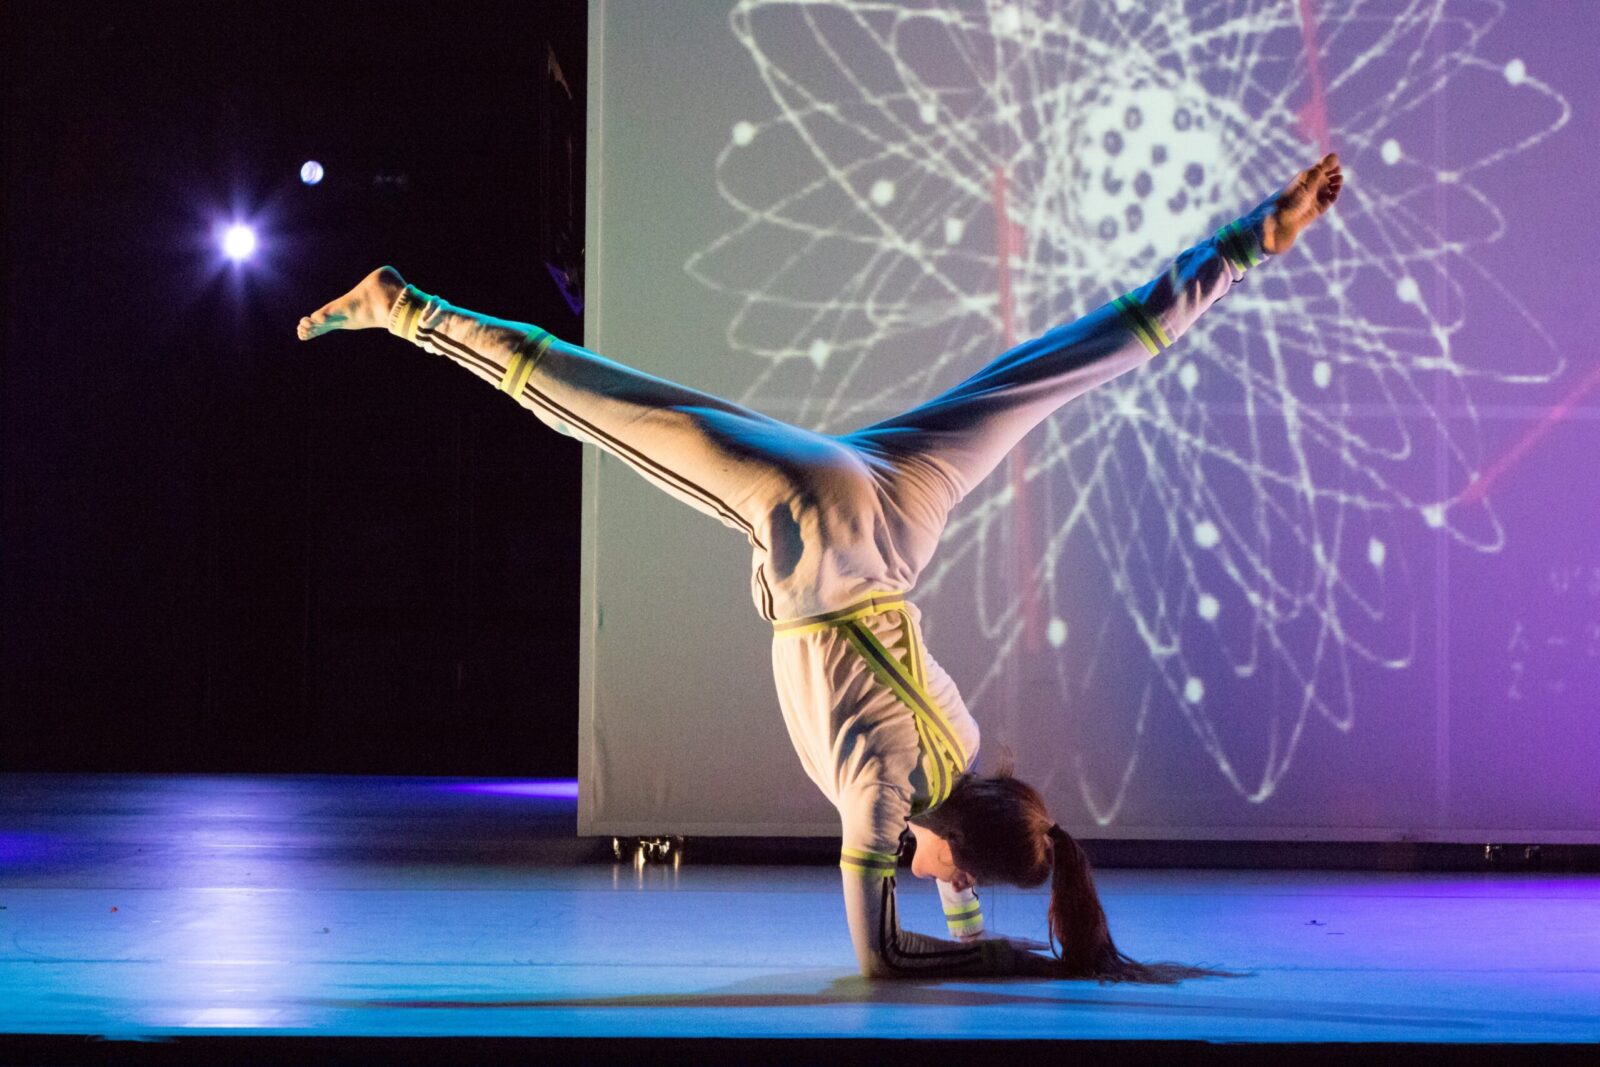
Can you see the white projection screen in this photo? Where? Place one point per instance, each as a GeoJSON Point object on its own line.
{"type": "Point", "coordinates": [1329, 569]}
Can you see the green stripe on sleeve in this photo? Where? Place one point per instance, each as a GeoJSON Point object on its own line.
{"type": "Point", "coordinates": [969, 926]}
{"type": "Point", "coordinates": [877, 864]}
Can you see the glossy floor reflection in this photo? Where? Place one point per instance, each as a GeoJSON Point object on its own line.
{"type": "Point", "coordinates": [141, 906]}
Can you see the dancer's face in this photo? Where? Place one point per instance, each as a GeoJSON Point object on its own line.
{"type": "Point", "coordinates": [933, 860]}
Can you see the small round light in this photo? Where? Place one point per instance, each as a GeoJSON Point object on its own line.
{"type": "Point", "coordinates": [238, 242]}
{"type": "Point", "coordinates": [311, 172]}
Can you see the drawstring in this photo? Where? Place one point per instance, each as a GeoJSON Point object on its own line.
{"type": "Point", "coordinates": [908, 681]}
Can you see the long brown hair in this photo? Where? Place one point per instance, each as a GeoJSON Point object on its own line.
{"type": "Point", "coordinates": [999, 830]}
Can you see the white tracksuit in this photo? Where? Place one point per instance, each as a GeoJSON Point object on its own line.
{"type": "Point", "coordinates": [834, 520]}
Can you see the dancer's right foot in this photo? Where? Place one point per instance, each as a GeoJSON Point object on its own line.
{"type": "Point", "coordinates": [362, 308]}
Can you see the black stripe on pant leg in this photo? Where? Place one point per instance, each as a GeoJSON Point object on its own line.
{"type": "Point", "coordinates": [768, 608]}
{"type": "Point", "coordinates": [466, 354]}
{"type": "Point", "coordinates": [638, 459]}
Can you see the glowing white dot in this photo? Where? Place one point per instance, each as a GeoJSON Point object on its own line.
{"type": "Point", "coordinates": [1208, 606]}
{"type": "Point", "coordinates": [1056, 633]}
{"type": "Point", "coordinates": [1322, 374]}
{"type": "Point", "coordinates": [1376, 552]}
{"type": "Point", "coordinates": [1407, 290]}
{"type": "Point", "coordinates": [929, 113]}
{"type": "Point", "coordinates": [743, 133]}
{"type": "Point", "coordinates": [1194, 690]}
{"type": "Point", "coordinates": [819, 352]}
{"type": "Point", "coordinates": [239, 241]}
{"type": "Point", "coordinates": [1008, 19]}
{"type": "Point", "coordinates": [1206, 534]}
{"type": "Point", "coordinates": [1516, 72]}
{"type": "Point", "coordinates": [1433, 515]}
{"type": "Point", "coordinates": [1390, 152]}
{"type": "Point", "coordinates": [953, 229]}
{"type": "Point", "coordinates": [311, 172]}
{"type": "Point", "coordinates": [1189, 376]}
{"type": "Point", "coordinates": [882, 191]}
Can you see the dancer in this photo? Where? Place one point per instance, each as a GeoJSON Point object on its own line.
{"type": "Point", "coordinates": [840, 527]}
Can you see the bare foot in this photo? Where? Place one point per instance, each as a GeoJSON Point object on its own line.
{"type": "Point", "coordinates": [362, 308]}
{"type": "Point", "coordinates": [1302, 202]}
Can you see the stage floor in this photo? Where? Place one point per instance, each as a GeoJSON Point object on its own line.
{"type": "Point", "coordinates": [136, 907]}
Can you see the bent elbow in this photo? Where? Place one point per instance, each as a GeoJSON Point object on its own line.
{"type": "Point", "coordinates": [875, 968]}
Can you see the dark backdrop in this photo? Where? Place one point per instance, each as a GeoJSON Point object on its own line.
{"type": "Point", "coordinates": [225, 550]}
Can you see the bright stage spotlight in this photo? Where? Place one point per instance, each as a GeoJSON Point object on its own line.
{"type": "Point", "coordinates": [311, 172]}
{"type": "Point", "coordinates": [238, 241]}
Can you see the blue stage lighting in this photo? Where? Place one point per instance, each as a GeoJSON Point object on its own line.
{"type": "Point", "coordinates": [311, 172]}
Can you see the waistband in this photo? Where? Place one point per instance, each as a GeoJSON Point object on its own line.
{"type": "Point", "coordinates": [876, 604]}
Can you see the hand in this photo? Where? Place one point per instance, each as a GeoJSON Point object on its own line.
{"type": "Point", "coordinates": [1032, 965]}
{"type": "Point", "coordinates": [1021, 944]}
{"type": "Point", "coordinates": [1029, 959]}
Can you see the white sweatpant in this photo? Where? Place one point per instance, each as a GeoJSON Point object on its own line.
{"type": "Point", "coordinates": [830, 518]}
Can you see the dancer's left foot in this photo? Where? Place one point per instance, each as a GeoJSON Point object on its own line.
{"type": "Point", "coordinates": [365, 307]}
{"type": "Point", "coordinates": [1301, 203]}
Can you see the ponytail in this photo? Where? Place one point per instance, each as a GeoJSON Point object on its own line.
{"type": "Point", "coordinates": [999, 830]}
{"type": "Point", "coordinates": [1079, 934]}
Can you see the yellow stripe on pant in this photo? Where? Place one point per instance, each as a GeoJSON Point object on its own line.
{"type": "Point", "coordinates": [1144, 325]}
{"type": "Point", "coordinates": [523, 362]}
{"type": "Point", "coordinates": [877, 604]}
{"type": "Point", "coordinates": [907, 681]}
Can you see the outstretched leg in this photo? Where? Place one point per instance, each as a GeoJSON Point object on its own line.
{"type": "Point", "coordinates": [939, 451]}
{"type": "Point", "coordinates": [720, 458]}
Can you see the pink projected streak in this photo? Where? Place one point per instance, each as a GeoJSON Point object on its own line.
{"type": "Point", "coordinates": [1479, 488]}
{"type": "Point", "coordinates": [1314, 118]}
{"type": "Point", "coordinates": [1006, 239]}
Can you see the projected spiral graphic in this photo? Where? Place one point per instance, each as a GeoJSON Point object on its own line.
{"type": "Point", "coordinates": [963, 176]}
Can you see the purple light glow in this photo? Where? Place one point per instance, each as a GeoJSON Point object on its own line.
{"type": "Point", "coordinates": [552, 788]}
{"type": "Point", "coordinates": [21, 848]}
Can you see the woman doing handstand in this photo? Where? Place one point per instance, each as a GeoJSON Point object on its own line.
{"type": "Point", "coordinates": [841, 526]}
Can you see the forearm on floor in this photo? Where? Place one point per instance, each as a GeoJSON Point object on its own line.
{"type": "Point", "coordinates": [884, 950]}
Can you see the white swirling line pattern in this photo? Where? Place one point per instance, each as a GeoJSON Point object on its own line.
{"type": "Point", "coordinates": [1315, 397]}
